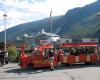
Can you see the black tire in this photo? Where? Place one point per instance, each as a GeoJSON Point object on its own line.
{"type": "Point", "coordinates": [88, 63]}
{"type": "Point", "coordinates": [30, 66]}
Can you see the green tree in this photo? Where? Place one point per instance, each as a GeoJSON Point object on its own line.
{"type": "Point", "coordinates": [12, 53]}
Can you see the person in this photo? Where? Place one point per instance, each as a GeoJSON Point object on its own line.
{"type": "Point", "coordinates": [66, 52]}
{"type": "Point", "coordinates": [37, 52]}
{"type": "Point", "coordinates": [2, 58]}
{"type": "Point", "coordinates": [18, 55]}
{"type": "Point", "coordinates": [6, 57]}
{"type": "Point", "coordinates": [51, 57]}
{"type": "Point", "coordinates": [60, 53]}
{"type": "Point", "coordinates": [45, 54]}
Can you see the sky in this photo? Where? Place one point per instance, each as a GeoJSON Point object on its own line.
{"type": "Point", "coordinates": [22, 11]}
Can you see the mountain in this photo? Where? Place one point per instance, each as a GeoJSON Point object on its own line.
{"type": "Point", "coordinates": [30, 28]}
{"type": "Point", "coordinates": [76, 23]}
{"type": "Point", "coordinates": [86, 28]}
{"type": "Point", "coordinates": [76, 15]}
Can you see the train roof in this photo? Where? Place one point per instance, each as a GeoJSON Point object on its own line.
{"type": "Point", "coordinates": [91, 44]}
{"type": "Point", "coordinates": [45, 46]}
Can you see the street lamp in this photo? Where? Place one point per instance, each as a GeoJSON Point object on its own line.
{"type": "Point", "coordinates": [5, 16]}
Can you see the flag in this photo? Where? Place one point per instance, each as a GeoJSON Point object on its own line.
{"type": "Point", "coordinates": [50, 13]}
{"type": "Point", "coordinates": [50, 16]}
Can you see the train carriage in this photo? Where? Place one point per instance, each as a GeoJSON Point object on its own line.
{"type": "Point", "coordinates": [82, 52]}
{"type": "Point", "coordinates": [39, 57]}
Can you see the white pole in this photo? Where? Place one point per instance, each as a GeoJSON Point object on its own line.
{"type": "Point", "coordinates": [5, 15]}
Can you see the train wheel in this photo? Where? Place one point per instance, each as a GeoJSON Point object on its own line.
{"type": "Point", "coordinates": [88, 63]}
{"type": "Point", "coordinates": [30, 66]}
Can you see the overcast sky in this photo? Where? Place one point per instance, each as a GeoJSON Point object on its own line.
{"type": "Point", "coordinates": [22, 11]}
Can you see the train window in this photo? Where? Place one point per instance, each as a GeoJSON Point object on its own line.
{"type": "Point", "coordinates": [29, 52]}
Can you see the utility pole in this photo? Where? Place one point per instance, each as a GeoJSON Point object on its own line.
{"type": "Point", "coordinates": [5, 18]}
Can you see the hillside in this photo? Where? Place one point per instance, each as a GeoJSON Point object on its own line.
{"type": "Point", "coordinates": [77, 15]}
{"type": "Point", "coordinates": [78, 22]}
{"type": "Point", "coordinates": [86, 28]}
{"type": "Point", "coordinates": [30, 28]}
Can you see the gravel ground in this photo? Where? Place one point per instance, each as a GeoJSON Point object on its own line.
{"type": "Point", "coordinates": [73, 72]}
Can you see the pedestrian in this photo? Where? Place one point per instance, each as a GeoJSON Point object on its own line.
{"type": "Point", "coordinates": [6, 57]}
{"type": "Point", "coordinates": [60, 53]}
{"type": "Point", "coordinates": [45, 55]}
{"type": "Point", "coordinates": [2, 58]}
{"type": "Point", "coordinates": [18, 56]}
{"type": "Point", "coordinates": [51, 57]}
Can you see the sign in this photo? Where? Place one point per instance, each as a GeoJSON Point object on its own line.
{"type": "Point", "coordinates": [44, 42]}
{"type": "Point", "coordinates": [90, 40]}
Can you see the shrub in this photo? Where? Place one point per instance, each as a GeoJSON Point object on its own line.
{"type": "Point", "coordinates": [12, 53]}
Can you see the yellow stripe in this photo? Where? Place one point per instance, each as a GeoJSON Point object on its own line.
{"type": "Point", "coordinates": [88, 57]}
{"type": "Point", "coordinates": [76, 58]}
{"type": "Point", "coordinates": [38, 61]}
{"type": "Point", "coordinates": [98, 57]}
{"type": "Point", "coordinates": [65, 59]}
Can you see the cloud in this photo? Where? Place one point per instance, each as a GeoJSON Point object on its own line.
{"type": "Point", "coordinates": [22, 11]}
{"type": "Point", "coordinates": [40, 0]}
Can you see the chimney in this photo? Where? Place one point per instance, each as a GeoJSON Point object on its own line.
{"type": "Point", "coordinates": [42, 31]}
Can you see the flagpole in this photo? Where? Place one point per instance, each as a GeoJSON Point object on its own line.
{"type": "Point", "coordinates": [51, 26]}
{"type": "Point", "coordinates": [51, 21]}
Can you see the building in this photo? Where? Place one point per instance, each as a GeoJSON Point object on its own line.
{"type": "Point", "coordinates": [50, 36]}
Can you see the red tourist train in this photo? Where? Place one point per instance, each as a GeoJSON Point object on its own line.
{"type": "Point", "coordinates": [65, 53]}
{"type": "Point", "coordinates": [37, 58]}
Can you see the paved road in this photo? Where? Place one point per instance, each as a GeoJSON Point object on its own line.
{"type": "Point", "coordinates": [75, 72]}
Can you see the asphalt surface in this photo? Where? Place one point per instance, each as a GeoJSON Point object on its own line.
{"type": "Point", "coordinates": [73, 72]}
